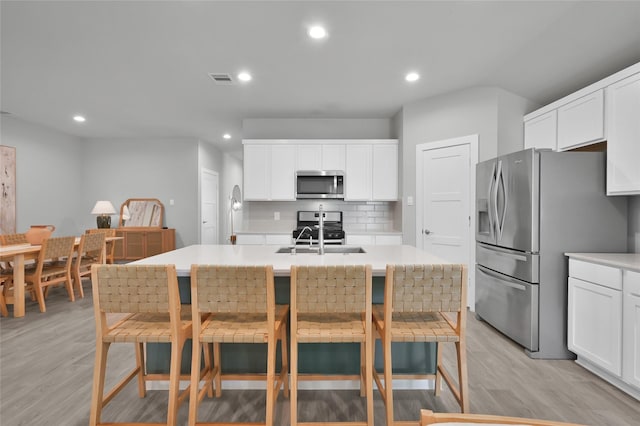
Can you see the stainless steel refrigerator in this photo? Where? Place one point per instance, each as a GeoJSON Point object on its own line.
{"type": "Point", "coordinates": [532, 207]}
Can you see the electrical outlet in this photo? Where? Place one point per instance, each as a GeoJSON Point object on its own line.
{"type": "Point", "coordinates": [276, 215]}
{"type": "Point", "coordinates": [409, 200]}
{"type": "Point", "coordinates": [171, 202]}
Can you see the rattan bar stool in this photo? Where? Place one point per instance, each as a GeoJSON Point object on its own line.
{"type": "Point", "coordinates": [332, 304]}
{"type": "Point", "coordinates": [239, 304]}
{"type": "Point", "coordinates": [416, 298]}
{"type": "Point", "coordinates": [90, 251]}
{"type": "Point", "coordinates": [149, 295]}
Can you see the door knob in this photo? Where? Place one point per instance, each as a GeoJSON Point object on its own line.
{"type": "Point", "coordinates": [426, 232]}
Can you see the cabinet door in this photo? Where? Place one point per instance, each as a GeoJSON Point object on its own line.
{"type": "Point", "coordinates": [309, 157]}
{"type": "Point", "coordinates": [283, 161]}
{"type": "Point", "coordinates": [385, 172]}
{"type": "Point", "coordinates": [333, 157]}
{"type": "Point", "coordinates": [135, 245]}
{"type": "Point", "coordinates": [389, 240]}
{"type": "Point", "coordinates": [250, 239]}
{"type": "Point", "coordinates": [153, 243]}
{"type": "Point", "coordinates": [581, 122]}
{"type": "Point", "coordinates": [623, 130]}
{"type": "Point", "coordinates": [358, 172]}
{"type": "Point", "coordinates": [631, 329]}
{"type": "Point", "coordinates": [256, 167]}
{"type": "Point", "coordinates": [595, 324]}
{"type": "Point", "coordinates": [367, 240]}
{"type": "Point", "coordinates": [540, 132]}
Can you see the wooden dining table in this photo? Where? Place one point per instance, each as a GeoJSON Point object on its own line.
{"type": "Point", "coordinates": [20, 253]}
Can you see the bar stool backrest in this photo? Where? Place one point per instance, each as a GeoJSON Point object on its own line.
{"type": "Point", "coordinates": [334, 289]}
{"type": "Point", "coordinates": [427, 288]}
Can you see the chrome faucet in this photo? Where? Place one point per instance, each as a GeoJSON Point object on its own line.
{"type": "Point", "coordinates": [320, 230]}
{"type": "Point", "coordinates": [293, 249]}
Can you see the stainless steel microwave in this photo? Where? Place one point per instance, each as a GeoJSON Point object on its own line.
{"type": "Point", "coordinates": [320, 184]}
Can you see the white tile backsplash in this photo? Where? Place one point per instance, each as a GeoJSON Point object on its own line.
{"type": "Point", "coordinates": [357, 216]}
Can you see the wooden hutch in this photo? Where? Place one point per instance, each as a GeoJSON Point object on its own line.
{"type": "Point", "coordinates": [142, 233]}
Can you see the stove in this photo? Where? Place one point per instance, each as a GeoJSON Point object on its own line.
{"type": "Point", "coordinates": [308, 226]}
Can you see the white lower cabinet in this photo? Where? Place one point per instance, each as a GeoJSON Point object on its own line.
{"type": "Point", "coordinates": [595, 323]}
{"type": "Point", "coordinates": [374, 239]}
{"type": "Point", "coordinates": [604, 322]}
{"type": "Point", "coordinates": [631, 329]}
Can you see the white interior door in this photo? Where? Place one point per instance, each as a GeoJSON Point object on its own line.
{"type": "Point", "coordinates": [445, 188]}
{"type": "Point", "coordinates": [208, 207]}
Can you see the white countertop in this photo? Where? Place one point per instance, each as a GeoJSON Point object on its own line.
{"type": "Point", "coordinates": [377, 256]}
{"type": "Point", "coordinates": [629, 261]}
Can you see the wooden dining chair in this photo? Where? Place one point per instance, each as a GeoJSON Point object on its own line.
{"type": "Point", "coordinates": [6, 268]}
{"type": "Point", "coordinates": [53, 267]}
{"type": "Point", "coordinates": [110, 245]}
{"type": "Point", "coordinates": [149, 297]}
{"type": "Point", "coordinates": [90, 251]}
{"type": "Point", "coordinates": [332, 304]}
{"type": "Point", "coordinates": [428, 417]}
{"type": "Point", "coordinates": [3, 304]}
{"type": "Point", "coordinates": [239, 304]}
{"type": "Point", "coordinates": [417, 300]}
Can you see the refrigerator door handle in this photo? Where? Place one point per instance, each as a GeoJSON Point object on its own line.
{"type": "Point", "coordinates": [500, 184]}
{"type": "Point", "coordinates": [504, 280]}
{"type": "Point", "coordinates": [492, 180]}
{"type": "Point", "coordinates": [493, 200]}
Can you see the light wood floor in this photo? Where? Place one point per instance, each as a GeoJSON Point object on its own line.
{"type": "Point", "coordinates": [46, 364]}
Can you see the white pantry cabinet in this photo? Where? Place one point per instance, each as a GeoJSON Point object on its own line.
{"type": "Point", "coordinates": [541, 132]}
{"type": "Point", "coordinates": [623, 129]}
{"type": "Point", "coordinates": [269, 172]}
{"type": "Point", "coordinates": [581, 122]}
{"type": "Point", "coordinates": [631, 329]}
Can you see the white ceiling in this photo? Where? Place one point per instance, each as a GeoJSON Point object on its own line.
{"type": "Point", "coordinates": [139, 69]}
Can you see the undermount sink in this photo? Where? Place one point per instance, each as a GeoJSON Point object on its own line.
{"type": "Point", "coordinates": [327, 250]}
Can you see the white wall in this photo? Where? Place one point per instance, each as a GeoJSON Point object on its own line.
{"type": "Point", "coordinates": [49, 176]}
{"type": "Point", "coordinates": [231, 176]}
{"type": "Point", "coordinates": [494, 114]}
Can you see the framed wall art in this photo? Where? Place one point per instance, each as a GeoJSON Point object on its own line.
{"type": "Point", "coordinates": [8, 188]}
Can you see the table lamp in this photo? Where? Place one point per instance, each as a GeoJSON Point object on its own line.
{"type": "Point", "coordinates": [104, 210]}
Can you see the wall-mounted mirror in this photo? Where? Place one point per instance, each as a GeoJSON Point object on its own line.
{"type": "Point", "coordinates": [142, 212]}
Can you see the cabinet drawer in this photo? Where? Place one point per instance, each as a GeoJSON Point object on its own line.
{"type": "Point", "coordinates": [606, 276]}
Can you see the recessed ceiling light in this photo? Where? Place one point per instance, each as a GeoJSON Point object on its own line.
{"type": "Point", "coordinates": [226, 136]}
{"type": "Point", "coordinates": [412, 76]}
{"type": "Point", "coordinates": [244, 76]}
{"type": "Point", "coordinates": [79, 118]}
{"type": "Point", "coordinates": [317, 32]}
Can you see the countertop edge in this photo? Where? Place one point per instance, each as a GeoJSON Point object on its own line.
{"type": "Point", "coordinates": [630, 261]}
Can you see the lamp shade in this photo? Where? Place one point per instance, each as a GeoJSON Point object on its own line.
{"type": "Point", "coordinates": [104, 208]}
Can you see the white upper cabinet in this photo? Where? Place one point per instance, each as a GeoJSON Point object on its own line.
{"type": "Point", "coordinates": [623, 144]}
{"type": "Point", "coordinates": [256, 168]}
{"type": "Point", "coordinates": [581, 122]}
{"type": "Point", "coordinates": [540, 132]}
{"type": "Point", "coordinates": [370, 167]}
{"type": "Point", "coordinates": [283, 166]}
{"type": "Point", "coordinates": [385, 172]}
{"type": "Point", "coordinates": [358, 172]}
{"type": "Point", "coordinates": [333, 156]}
{"type": "Point", "coordinates": [269, 172]}
{"type": "Point", "coordinates": [309, 157]}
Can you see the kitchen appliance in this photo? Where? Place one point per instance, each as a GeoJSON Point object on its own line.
{"type": "Point", "coordinates": [319, 184]}
{"type": "Point", "coordinates": [533, 206]}
{"type": "Point", "coordinates": [306, 231]}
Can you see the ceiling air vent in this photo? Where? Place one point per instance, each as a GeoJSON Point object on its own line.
{"type": "Point", "coordinates": [222, 78]}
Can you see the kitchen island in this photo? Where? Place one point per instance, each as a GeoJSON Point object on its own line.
{"type": "Point", "coordinates": [418, 358]}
